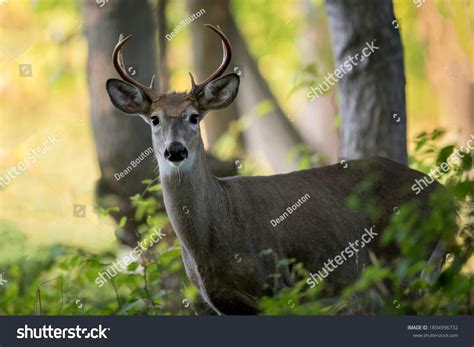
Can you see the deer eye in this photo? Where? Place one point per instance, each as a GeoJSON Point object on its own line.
{"type": "Point", "coordinates": [194, 118]}
{"type": "Point", "coordinates": [155, 120]}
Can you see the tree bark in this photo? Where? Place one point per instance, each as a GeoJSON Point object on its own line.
{"type": "Point", "coordinates": [452, 78]}
{"type": "Point", "coordinates": [163, 73]}
{"type": "Point", "coordinates": [373, 93]}
{"type": "Point", "coordinates": [316, 121]}
{"type": "Point", "coordinates": [269, 136]}
{"type": "Point", "coordinates": [207, 55]}
{"type": "Point", "coordinates": [119, 139]}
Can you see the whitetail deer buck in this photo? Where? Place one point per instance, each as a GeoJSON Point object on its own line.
{"type": "Point", "coordinates": [223, 224]}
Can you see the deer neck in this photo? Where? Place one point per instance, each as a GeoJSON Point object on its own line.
{"type": "Point", "coordinates": [191, 195]}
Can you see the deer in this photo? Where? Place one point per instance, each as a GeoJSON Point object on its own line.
{"type": "Point", "coordinates": [224, 224]}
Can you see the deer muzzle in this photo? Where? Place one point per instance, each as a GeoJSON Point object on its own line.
{"type": "Point", "coordinates": [176, 152]}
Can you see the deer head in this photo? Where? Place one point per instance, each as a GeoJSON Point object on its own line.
{"type": "Point", "coordinates": [174, 117]}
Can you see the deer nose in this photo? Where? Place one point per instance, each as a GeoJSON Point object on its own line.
{"type": "Point", "coordinates": [176, 152]}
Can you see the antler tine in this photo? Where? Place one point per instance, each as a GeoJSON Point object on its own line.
{"type": "Point", "coordinates": [120, 60]}
{"type": "Point", "coordinates": [152, 83]}
{"type": "Point", "coordinates": [119, 65]}
{"type": "Point", "coordinates": [193, 83]}
{"type": "Point", "coordinates": [120, 55]}
{"type": "Point", "coordinates": [196, 89]}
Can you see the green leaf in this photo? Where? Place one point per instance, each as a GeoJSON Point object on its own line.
{"type": "Point", "coordinates": [132, 267]}
{"type": "Point", "coordinates": [444, 153]}
{"type": "Point", "coordinates": [123, 221]}
{"type": "Point", "coordinates": [155, 188]}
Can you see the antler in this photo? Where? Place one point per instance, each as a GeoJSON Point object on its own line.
{"type": "Point", "coordinates": [117, 58]}
{"type": "Point", "coordinates": [196, 89]}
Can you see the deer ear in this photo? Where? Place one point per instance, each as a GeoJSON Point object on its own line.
{"type": "Point", "coordinates": [219, 93]}
{"type": "Point", "coordinates": [126, 97]}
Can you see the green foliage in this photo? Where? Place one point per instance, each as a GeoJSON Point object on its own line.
{"type": "Point", "coordinates": [63, 280]}
{"type": "Point", "coordinates": [428, 153]}
{"type": "Point", "coordinates": [309, 76]}
{"type": "Point", "coordinates": [306, 157]}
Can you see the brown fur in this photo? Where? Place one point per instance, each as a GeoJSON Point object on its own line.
{"type": "Point", "coordinates": [174, 104]}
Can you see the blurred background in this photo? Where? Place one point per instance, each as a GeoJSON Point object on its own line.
{"type": "Point", "coordinates": [55, 57]}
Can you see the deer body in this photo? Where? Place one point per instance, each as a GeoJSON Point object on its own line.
{"type": "Point", "coordinates": [224, 224]}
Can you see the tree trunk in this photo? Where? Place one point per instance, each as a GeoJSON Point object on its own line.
{"type": "Point", "coordinates": [119, 139]}
{"type": "Point", "coordinates": [163, 73]}
{"type": "Point", "coordinates": [316, 121]}
{"type": "Point", "coordinates": [207, 55]}
{"type": "Point", "coordinates": [269, 136]}
{"type": "Point", "coordinates": [373, 93]}
{"type": "Point", "coordinates": [452, 78]}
